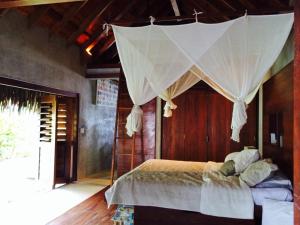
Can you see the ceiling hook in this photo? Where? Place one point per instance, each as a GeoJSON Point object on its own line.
{"type": "Point", "coordinates": [196, 15]}
{"type": "Point", "coordinates": [152, 19]}
{"type": "Point", "coordinates": [106, 28]}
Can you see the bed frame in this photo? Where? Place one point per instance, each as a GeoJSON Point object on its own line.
{"type": "Point", "coordinates": [161, 216]}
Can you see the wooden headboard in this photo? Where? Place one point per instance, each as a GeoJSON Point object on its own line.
{"type": "Point", "coordinates": [278, 119]}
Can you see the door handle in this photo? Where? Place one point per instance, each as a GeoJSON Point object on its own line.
{"type": "Point", "coordinates": [207, 138]}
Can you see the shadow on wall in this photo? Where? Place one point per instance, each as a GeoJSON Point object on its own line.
{"type": "Point", "coordinates": [105, 156]}
{"type": "Point", "coordinates": [99, 124]}
{"type": "Point", "coordinates": [100, 137]}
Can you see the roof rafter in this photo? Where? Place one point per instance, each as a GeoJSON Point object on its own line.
{"type": "Point", "coordinates": [107, 45]}
{"type": "Point", "coordinates": [99, 33]}
{"type": "Point", "coordinates": [174, 19]}
{"type": "Point", "coordinates": [279, 3]}
{"type": "Point", "coordinates": [202, 9]}
{"type": "Point", "coordinates": [230, 4]}
{"type": "Point", "coordinates": [92, 17]}
{"type": "Point", "coordinates": [175, 7]}
{"type": "Point", "coordinates": [66, 17]}
{"type": "Point", "coordinates": [102, 49]}
{"type": "Point", "coordinates": [111, 40]}
{"type": "Point", "coordinates": [214, 9]}
{"type": "Point", "coordinates": [248, 4]}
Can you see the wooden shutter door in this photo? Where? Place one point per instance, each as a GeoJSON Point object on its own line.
{"type": "Point", "coordinates": [66, 139]}
{"type": "Point", "coordinates": [47, 141]}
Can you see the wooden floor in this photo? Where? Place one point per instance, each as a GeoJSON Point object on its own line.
{"type": "Point", "coordinates": [92, 211]}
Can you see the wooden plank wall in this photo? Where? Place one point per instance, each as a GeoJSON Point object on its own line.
{"type": "Point", "coordinates": [296, 80]}
{"type": "Point", "coordinates": [145, 141]}
{"type": "Point", "coordinates": [200, 127]}
{"type": "Point", "coordinates": [278, 99]}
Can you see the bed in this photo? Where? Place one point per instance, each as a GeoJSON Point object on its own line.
{"type": "Point", "coordinates": [178, 192]}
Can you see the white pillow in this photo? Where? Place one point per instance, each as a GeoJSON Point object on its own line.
{"type": "Point", "coordinates": [256, 173]}
{"type": "Point", "coordinates": [244, 158]}
{"type": "Point", "coordinates": [231, 156]}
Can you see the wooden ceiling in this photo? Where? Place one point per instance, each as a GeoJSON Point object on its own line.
{"type": "Point", "coordinates": [81, 22]}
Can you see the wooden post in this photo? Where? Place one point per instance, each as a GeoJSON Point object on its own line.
{"type": "Point", "coordinates": [296, 132]}
{"type": "Point", "coordinates": [132, 151]}
{"type": "Point", "coordinates": [142, 142]}
{"type": "Point", "coordinates": [113, 157]}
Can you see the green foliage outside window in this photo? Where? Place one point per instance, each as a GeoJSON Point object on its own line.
{"type": "Point", "coordinates": [7, 138]}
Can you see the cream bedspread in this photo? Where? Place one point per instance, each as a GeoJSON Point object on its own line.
{"type": "Point", "coordinates": [192, 186]}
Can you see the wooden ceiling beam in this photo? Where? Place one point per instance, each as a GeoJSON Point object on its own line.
{"type": "Point", "coordinates": [102, 76]}
{"type": "Point", "coordinates": [230, 5]}
{"type": "Point", "coordinates": [103, 71]}
{"type": "Point", "coordinates": [91, 18]}
{"type": "Point", "coordinates": [103, 65]}
{"type": "Point", "coordinates": [107, 45]}
{"type": "Point", "coordinates": [203, 9]}
{"type": "Point", "coordinates": [205, 15]}
{"type": "Point", "coordinates": [167, 12]}
{"type": "Point", "coordinates": [277, 3]}
{"type": "Point", "coordinates": [115, 54]}
{"type": "Point", "coordinates": [108, 55]}
{"type": "Point", "coordinates": [175, 7]}
{"type": "Point", "coordinates": [230, 13]}
{"type": "Point", "coordinates": [99, 33]}
{"type": "Point", "coordinates": [111, 40]}
{"type": "Point", "coordinates": [248, 4]}
{"type": "Point", "coordinates": [66, 17]}
{"type": "Point", "coordinates": [191, 6]}
{"type": "Point", "coordinates": [214, 9]}
{"type": "Point", "coordinates": [21, 3]}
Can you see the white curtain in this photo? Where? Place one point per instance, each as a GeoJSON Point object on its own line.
{"type": "Point", "coordinates": [188, 80]}
{"type": "Point", "coordinates": [232, 57]}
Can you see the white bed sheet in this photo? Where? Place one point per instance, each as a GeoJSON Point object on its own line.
{"type": "Point", "coordinates": [279, 194]}
{"type": "Point", "coordinates": [192, 186]}
{"type": "Point", "coordinates": [277, 212]}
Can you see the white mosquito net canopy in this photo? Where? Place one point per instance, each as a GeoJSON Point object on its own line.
{"type": "Point", "coordinates": [232, 57]}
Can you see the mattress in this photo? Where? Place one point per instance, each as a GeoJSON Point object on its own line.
{"type": "Point", "coordinates": [277, 212]}
{"type": "Point", "coordinates": [279, 194]}
{"type": "Point", "coordinates": [191, 186]}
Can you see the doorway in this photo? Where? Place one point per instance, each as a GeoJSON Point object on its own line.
{"type": "Point", "coordinates": [19, 144]}
{"type": "Point", "coordinates": [38, 140]}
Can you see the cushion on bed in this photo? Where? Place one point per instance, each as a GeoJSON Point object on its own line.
{"type": "Point", "coordinates": [257, 172]}
{"type": "Point", "coordinates": [231, 156]}
{"type": "Point", "coordinates": [277, 180]}
{"type": "Point", "coordinates": [227, 169]}
{"type": "Point", "coordinates": [244, 158]}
